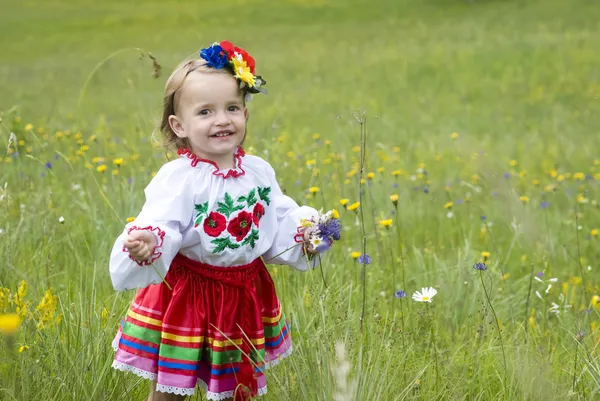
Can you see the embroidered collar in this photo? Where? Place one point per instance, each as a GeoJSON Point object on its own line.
{"type": "Point", "coordinates": [236, 171]}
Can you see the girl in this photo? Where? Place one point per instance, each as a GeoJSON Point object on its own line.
{"type": "Point", "coordinates": [207, 311]}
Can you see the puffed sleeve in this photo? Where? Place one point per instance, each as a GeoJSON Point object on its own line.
{"type": "Point", "coordinates": [287, 244]}
{"type": "Point", "coordinates": [166, 213]}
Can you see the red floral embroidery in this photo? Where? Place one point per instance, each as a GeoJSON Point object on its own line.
{"type": "Point", "coordinates": [236, 171]}
{"type": "Point", "coordinates": [214, 224]}
{"type": "Point", "coordinates": [257, 213]}
{"type": "Point", "coordinates": [155, 255]}
{"type": "Point", "coordinates": [240, 225]}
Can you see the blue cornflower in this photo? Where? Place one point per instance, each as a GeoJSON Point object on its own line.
{"type": "Point", "coordinates": [480, 266]}
{"type": "Point", "coordinates": [331, 229]}
{"type": "Point", "coordinates": [426, 190]}
{"type": "Point", "coordinates": [400, 294]}
{"type": "Point", "coordinates": [544, 204]}
{"type": "Point", "coordinates": [507, 175]}
{"type": "Point", "coordinates": [48, 165]}
{"type": "Point", "coordinates": [483, 218]}
{"type": "Point", "coordinates": [215, 56]}
{"type": "Point", "coordinates": [364, 259]}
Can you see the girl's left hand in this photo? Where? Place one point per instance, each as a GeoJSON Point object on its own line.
{"type": "Point", "coordinates": [308, 247]}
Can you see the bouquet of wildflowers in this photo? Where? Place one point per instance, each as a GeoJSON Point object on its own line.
{"type": "Point", "coordinates": [320, 231]}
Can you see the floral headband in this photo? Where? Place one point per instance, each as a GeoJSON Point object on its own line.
{"type": "Point", "coordinates": [236, 60]}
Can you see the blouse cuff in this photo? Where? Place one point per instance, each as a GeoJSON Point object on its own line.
{"type": "Point", "coordinates": [157, 252]}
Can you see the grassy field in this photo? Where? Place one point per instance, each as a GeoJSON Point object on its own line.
{"type": "Point", "coordinates": [483, 117]}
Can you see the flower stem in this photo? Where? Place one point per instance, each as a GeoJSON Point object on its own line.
{"type": "Point", "coordinates": [489, 301]}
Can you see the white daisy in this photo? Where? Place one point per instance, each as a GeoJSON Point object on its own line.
{"type": "Point", "coordinates": [425, 295]}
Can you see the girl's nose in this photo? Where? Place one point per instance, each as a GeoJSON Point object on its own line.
{"type": "Point", "coordinates": [222, 118]}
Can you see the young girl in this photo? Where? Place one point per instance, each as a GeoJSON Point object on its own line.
{"type": "Point", "coordinates": [207, 311]}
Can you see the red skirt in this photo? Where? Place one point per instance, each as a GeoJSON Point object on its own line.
{"type": "Point", "coordinates": [218, 327]}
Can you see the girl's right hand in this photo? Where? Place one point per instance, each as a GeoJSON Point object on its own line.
{"type": "Point", "coordinates": [140, 244]}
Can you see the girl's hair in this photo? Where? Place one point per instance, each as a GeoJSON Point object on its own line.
{"type": "Point", "coordinates": [170, 100]}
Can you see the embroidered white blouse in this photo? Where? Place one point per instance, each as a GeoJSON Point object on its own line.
{"type": "Point", "coordinates": [220, 217]}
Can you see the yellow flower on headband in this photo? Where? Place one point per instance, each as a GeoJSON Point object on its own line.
{"type": "Point", "coordinates": [242, 70]}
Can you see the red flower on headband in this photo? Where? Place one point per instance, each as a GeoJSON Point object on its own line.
{"type": "Point", "coordinates": [231, 50]}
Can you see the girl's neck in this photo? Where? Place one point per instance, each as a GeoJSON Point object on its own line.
{"type": "Point", "coordinates": [223, 162]}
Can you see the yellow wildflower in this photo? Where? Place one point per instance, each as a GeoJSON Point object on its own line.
{"type": "Point", "coordinates": [46, 308]}
{"type": "Point", "coordinates": [316, 136]}
{"type": "Point", "coordinates": [396, 173]}
{"type": "Point", "coordinates": [371, 175]}
{"type": "Point", "coordinates": [21, 143]}
{"type": "Point", "coordinates": [394, 198]}
{"type": "Point", "coordinates": [536, 182]}
{"type": "Point", "coordinates": [93, 138]}
{"type": "Point", "coordinates": [380, 169]}
{"type": "Point", "coordinates": [327, 142]}
{"type": "Point", "coordinates": [355, 255]}
{"type": "Point", "coordinates": [115, 172]}
{"type": "Point", "coordinates": [28, 127]}
{"type": "Point", "coordinates": [454, 135]}
{"type": "Point", "coordinates": [335, 214]}
{"type": "Point", "coordinates": [313, 190]}
{"type": "Point", "coordinates": [524, 198]}
{"type": "Point", "coordinates": [101, 168]}
{"type": "Point", "coordinates": [474, 178]}
{"type": "Point", "coordinates": [9, 324]}
{"type": "Point", "coordinates": [77, 135]}
{"type": "Point", "coordinates": [58, 134]}
{"type": "Point", "coordinates": [356, 149]}
{"type": "Point", "coordinates": [97, 160]}
{"type": "Point", "coordinates": [560, 178]}
{"type": "Point", "coordinates": [311, 162]}
{"type": "Point", "coordinates": [118, 162]}
{"type": "Point", "coordinates": [596, 301]}
{"type": "Point", "coordinates": [579, 176]}
{"type": "Point", "coordinates": [23, 348]}
{"type": "Point", "coordinates": [291, 154]}
{"type": "Point", "coordinates": [582, 199]}
{"type": "Point", "coordinates": [344, 202]}
{"type": "Point", "coordinates": [594, 232]}
{"type": "Point", "coordinates": [354, 206]}
{"type": "Point", "coordinates": [130, 219]}
{"type": "Point", "coordinates": [396, 149]}
{"type": "Point", "coordinates": [386, 223]}
{"type": "Point", "coordinates": [553, 173]}
{"type": "Point", "coordinates": [448, 205]}
{"type": "Point", "coordinates": [351, 173]}
{"type": "Point", "coordinates": [513, 163]}
{"type": "Point", "coordinates": [485, 255]}
{"type": "Point", "coordinates": [550, 187]}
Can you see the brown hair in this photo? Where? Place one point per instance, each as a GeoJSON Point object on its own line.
{"type": "Point", "coordinates": [170, 99]}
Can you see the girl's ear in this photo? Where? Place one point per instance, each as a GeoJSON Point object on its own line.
{"type": "Point", "coordinates": [176, 126]}
{"type": "Point", "coordinates": [246, 113]}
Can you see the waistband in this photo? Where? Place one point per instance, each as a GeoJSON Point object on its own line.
{"type": "Point", "coordinates": [236, 275]}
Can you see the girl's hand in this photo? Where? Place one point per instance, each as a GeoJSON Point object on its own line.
{"type": "Point", "coordinates": [308, 247]}
{"type": "Point", "coordinates": [140, 244]}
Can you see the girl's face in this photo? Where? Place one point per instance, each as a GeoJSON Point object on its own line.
{"type": "Point", "coordinates": [211, 114]}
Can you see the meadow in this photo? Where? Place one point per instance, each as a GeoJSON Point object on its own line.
{"type": "Point", "coordinates": [458, 140]}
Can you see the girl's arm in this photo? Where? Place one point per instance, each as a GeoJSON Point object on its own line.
{"type": "Point", "coordinates": [166, 214]}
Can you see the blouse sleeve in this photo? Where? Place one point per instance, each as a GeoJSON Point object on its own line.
{"type": "Point", "coordinates": [287, 245]}
{"type": "Point", "coordinates": [166, 213]}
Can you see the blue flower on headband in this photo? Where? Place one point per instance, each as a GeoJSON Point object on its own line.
{"type": "Point", "coordinates": [215, 56]}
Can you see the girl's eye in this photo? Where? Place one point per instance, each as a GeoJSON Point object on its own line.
{"type": "Point", "coordinates": [204, 112]}
{"type": "Point", "coordinates": [233, 108]}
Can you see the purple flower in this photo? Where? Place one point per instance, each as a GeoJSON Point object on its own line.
{"type": "Point", "coordinates": [215, 56]}
{"type": "Point", "coordinates": [507, 175]}
{"type": "Point", "coordinates": [544, 204]}
{"type": "Point", "coordinates": [331, 229]}
{"type": "Point", "coordinates": [323, 246]}
{"type": "Point", "coordinates": [495, 193]}
{"type": "Point", "coordinates": [364, 259]}
{"type": "Point", "coordinates": [459, 201]}
{"type": "Point", "coordinates": [483, 218]}
{"type": "Point", "coordinates": [56, 156]}
{"type": "Point", "coordinates": [395, 185]}
{"type": "Point", "coordinates": [426, 190]}
{"type": "Point", "coordinates": [48, 165]}
{"type": "Point", "coordinates": [480, 266]}
{"type": "Point", "coordinates": [540, 274]}
{"type": "Point", "coordinates": [130, 180]}
{"type": "Point", "coordinates": [400, 294]}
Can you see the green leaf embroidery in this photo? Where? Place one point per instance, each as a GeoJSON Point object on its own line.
{"type": "Point", "coordinates": [201, 212]}
{"type": "Point", "coordinates": [263, 194]}
{"type": "Point", "coordinates": [241, 199]}
{"type": "Point", "coordinates": [228, 206]}
{"type": "Point", "coordinates": [222, 243]}
{"type": "Point", "coordinates": [251, 238]}
{"type": "Point", "coordinates": [252, 197]}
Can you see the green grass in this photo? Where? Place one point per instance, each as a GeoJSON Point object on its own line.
{"type": "Point", "coordinates": [517, 80]}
